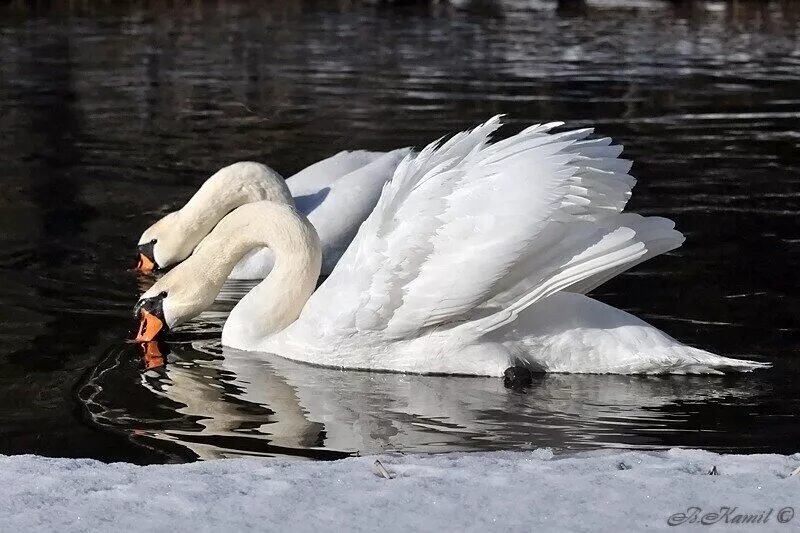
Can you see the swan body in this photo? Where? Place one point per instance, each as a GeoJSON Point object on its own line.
{"type": "Point", "coordinates": [336, 194]}
{"type": "Point", "coordinates": [475, 258]}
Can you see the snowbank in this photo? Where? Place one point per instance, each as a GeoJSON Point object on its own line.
{"type": "Point", "coordinates": [516, 491]}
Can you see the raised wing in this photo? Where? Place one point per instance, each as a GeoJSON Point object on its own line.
{"type": "Point", "coordinates": [323, 173]}
{"type": "Point", "coordinates": [473, 232]}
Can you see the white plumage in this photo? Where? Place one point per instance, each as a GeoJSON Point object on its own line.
{"type": "Point", "coordinates": [336, 194]}
{"type": "Point", "coordinates": [472, 261]}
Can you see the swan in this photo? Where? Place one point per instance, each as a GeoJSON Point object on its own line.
{"type": "Point", "coordinates": [477, 257]}
{"type": "Point", "coordinates": [336, 194]}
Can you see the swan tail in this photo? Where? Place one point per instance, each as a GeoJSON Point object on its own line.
{"type": "Point", "coordinates": [698, 361]}
{"type": "Point", "coordinates": [570, 332]}
{"type": "Point", "coordinates": [677, 360]}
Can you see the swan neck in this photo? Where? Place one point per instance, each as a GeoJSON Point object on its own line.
{"type": "Point", "coordinates": [277, 301]}
{"type": "Point", "coordinates": [230, 187]}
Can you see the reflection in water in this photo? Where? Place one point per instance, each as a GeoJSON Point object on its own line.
{"type": "Point", "coordinates": [112, 114]}
{"type": "Point", "coordinates": [219, 402]}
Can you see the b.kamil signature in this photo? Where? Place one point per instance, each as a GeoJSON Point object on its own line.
{"type": "Point", "coordinates": [731, 515]}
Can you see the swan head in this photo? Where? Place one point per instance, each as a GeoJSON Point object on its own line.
{"type": "Point", "coordinates": [191, 286]}
{"type": "Point", "coordinates": [178, 296]}
{"type": "Point", "coordinates": [164, 244]}
{"type": "Point", "coordinates": [173, 238]}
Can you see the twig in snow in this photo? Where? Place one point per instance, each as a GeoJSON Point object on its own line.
{"type": "Point", "coordinates": [796, 472]}
{"type": "Point", "coordinates": [713, 471]}
{"type": "Point", "coordinates": [381, 470]}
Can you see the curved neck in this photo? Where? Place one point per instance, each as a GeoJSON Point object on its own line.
{"type": "Point", "coordinates": [277, 301]}
{"type": "Point", "coordinates": [230, 187]}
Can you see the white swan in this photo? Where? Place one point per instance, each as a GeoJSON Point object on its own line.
{"type": "Point", "coordinates": [336, 194]}
{"type": "Point", "coordinates": [473, 260]}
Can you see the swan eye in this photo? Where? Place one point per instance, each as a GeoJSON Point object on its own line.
{"type": "Point", "coordinates": [153, 241]}
{"type": "Point", "coordinates": [162, 294]}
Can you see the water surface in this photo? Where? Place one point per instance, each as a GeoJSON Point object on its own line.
{"type": "Point", "coordinates": [111, 117]}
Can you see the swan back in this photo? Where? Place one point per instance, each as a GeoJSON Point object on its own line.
{"type": "Point", "coordinates": [324, 173]}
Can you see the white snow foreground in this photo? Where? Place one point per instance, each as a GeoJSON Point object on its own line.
{"type": "Point", "coordinates": [509, 491]}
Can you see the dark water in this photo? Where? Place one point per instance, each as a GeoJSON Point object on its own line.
{"type": "Point", "coordinates": [111, 117]}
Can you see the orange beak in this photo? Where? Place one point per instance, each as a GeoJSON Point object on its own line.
{"type": "Point", "coordinates": [153, 358]}
{"type": "Point", "coordinates": [149, 326]}
{"type": "Point", "coordinates": [144, 264]}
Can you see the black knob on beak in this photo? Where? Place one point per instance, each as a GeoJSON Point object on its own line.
{"type": "Point", "coordinates": [150, 314]}
{"type": "Point", "coordinates": [146, 261]}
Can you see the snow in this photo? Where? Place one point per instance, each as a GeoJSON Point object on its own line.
{"type": "Point", "coordinates": [509, 491]}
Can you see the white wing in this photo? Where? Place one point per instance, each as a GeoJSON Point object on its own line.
{"type": "Point", "coordinates": [469, 232]}
{"type": "Point", "coordinates": [658, 236]}
{"type": "Point", "coordinates": [338, 210]}
{"type": "Point", "coordinates": [323, 173]}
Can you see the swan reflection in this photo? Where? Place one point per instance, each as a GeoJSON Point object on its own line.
{"type": "Point", "coordinates": [219, 402]}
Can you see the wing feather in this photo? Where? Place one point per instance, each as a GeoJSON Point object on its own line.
{"type": "Point", "coordinates": [323, 173]}
{"type": "Point", "coordinates": [473, 232]}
